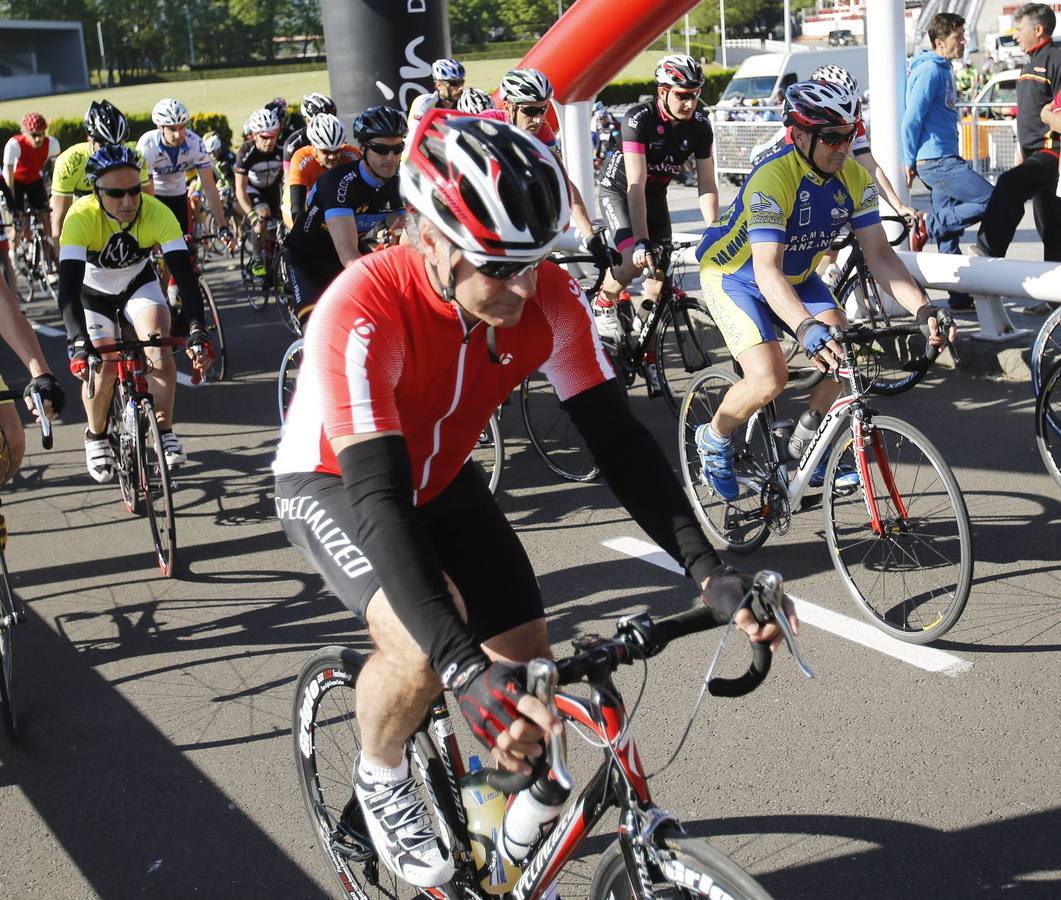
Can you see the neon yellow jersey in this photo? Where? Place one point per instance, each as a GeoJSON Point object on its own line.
{"type": "Point", "coordinates": [785, 202]}
{"type": "Point", "coordinates": [114, 255]}
{"type": "Point", "coordinates": [68, 179]}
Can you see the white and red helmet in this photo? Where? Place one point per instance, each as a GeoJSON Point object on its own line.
{"type": "Point", "coordinates": [494, 191]}
{"type": "Point", "coordinates": [680, 71]}
{"type": "Point", "coordinates": [819, 104]}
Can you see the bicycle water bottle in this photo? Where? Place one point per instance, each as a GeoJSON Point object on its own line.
{"type": "Point", "coordinates": [532, 809]}
{"type": "Point", "coordinates": [806, 428]}
{"type": "Point", "coordinates": [130, 417]}
{"type": "Point", "coordinates": [485, 807]}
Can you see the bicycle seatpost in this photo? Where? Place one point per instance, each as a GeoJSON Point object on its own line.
{"type": "Point", "coordinates": [770, 589]}
{"type": "Point", "coordinates": [541, 682]}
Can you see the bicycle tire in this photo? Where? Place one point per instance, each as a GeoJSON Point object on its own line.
{"type": "Point", "coordinates": [326, 743]}
{"type": "Point", "coordinates": [255, 289]}
{"type": "Point", "coordinates": [687, 341]}
{"type": "Point", "coordinates": [1048, 422]}
{"type": "Point", "coordinates": [552, 433]}
{"type": "Point", "coordinates": [8, 622]}
{"type": "Point", "coordinates": [688, 867]}
{"type": "Point", "coordinates": [489, 453]}
{"type": "Point", "coordinates": [1045, 349]}
{"type": "Point", "coordinates": [124, 447]}
{"type": "Point", "coordinates": [932, 593]}
{"type": "Point", "coordinates": [212, 316]}
{"type": "Point", "coordinates": [288, 377]}
{"type": "Point", "coordinates": [739, 525]}
{"type": "Point", "coordinates": [155, 487]}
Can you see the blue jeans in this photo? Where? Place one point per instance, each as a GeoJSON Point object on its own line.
{"type": "Point", "coordinates": [959, 198]}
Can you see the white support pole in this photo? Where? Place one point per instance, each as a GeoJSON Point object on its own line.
{"type": "Point", "coordinates": [886, 46]}
{"type": "Point", "coordinates": [578, 149]}
{"type": "Point", "coordinates": [722, 30]}
{"type": "Point", "coordinates": [788, 26]}
{"type": "Point", "coordinates": [687, 34]}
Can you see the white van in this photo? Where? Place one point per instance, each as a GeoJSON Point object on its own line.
{"type": "Point", "coordinates": [766, 75]}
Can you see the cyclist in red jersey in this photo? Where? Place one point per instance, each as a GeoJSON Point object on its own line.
{"type": "Point", "coordinates": [407, 355]}
{"type": "Point", "coordinates": [26, 155]}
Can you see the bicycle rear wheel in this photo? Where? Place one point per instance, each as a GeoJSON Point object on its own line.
{"type": "Point", "coordinates": [285, 295]}
{"type": "Point", "coordinates": [124, 446]}
{"type": "Point", "coordinates": [9, 618]}
{"type": "Point", "coordinates": [327, 740]}
{"type": "Point", "coordinates": [489, 453]}
{"type": "Point", "coordinates": [552, 433]}
{"type": "Point", "coordinates": [212, 315]}
{"type": "Point", "coordinates": [285, 383]}
{"type": "Point", "coordinates": [1048, 422]}
{"type": "Point", "coordinates": [1046, 349]}
{"type": "Point", "coordinates": [155, 488]}
{"type": "Point", "coordinates": [681, 866]}
{"type": "Point", "coordinates": [255, 288]}
{"type": "Point", "coordinates": [687, 342]}
{"type": "Point", "coordinates": [911, 573]}
{"type": "Point", "coordinates": [741, 524]}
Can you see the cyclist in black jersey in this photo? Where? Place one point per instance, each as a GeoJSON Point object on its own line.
{"type": "Point", "coordinates": [259, 176]}
{"type": "Point", "coordinates": [347, 207]}
{"type": "Point", "coordinates": [657, 138]}
{"type": "Point", "coordinates": [289, 122]}
{"type": "Point", "coordinates": [312, 104]}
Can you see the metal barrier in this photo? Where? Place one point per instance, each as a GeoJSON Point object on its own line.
{"type": "Point", "coordinates": [988, 143]}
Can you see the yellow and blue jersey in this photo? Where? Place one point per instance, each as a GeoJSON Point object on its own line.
{"type": "Point", "coordinates": [784, 201]}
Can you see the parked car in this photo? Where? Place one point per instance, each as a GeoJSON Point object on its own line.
{"type": "Point", "coordinates": [842, 37]}
{"type": "Point", "coordinates": [1002, 88]}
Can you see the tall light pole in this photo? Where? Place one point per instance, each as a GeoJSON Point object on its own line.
{"type": "Point", "coordinates": [191, 43]}
{"type": "Point", "coordinates": [788, 26]}
{"type": "Point", "coordinates": [722, 29]}
{"type": "Point", "coordinates": [102, 52]}
{"type": "Point", "coordinates": [687, 35]}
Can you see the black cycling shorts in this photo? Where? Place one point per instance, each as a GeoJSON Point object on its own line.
{"type": "Point", "coordinates": [475, 544]}
{"type": "Point", "coordinates": [270, 196]}
{"type": "Point", "coordinates": [178, 205]}
{"type": "Point", "coordinates": [307, 285]}
{"type": "Point", "coordinates": [31, 194]}
{"type": "Point", "coordinates": [616, 214]}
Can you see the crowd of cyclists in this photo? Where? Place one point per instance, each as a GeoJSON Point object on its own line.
{"type": "Point", "coordinates": [408, 351]}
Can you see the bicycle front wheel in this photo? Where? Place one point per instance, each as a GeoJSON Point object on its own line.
{"type": "Point", "coordinates": [327, 740]}
{"type": "Point", "coordinates": [212, 315]}
{"type": "Point", "coordinates": [741, 524]}
{"type": "Point", "coordinates": [8, 621]}
{"type": "Point", "coordinates": [686, 341]}
{"type": "Point", "coordinates": [681, 866]}
{"type": "Point", "coordinates": [1046, 349]}
{"type": "Point", "coordinates": [285, 384]}
{"type": "Point", "coordinates": [1048, 422]}
{"type": "Point", "coordinates": [909, 563]}
{"type": "Point", "coordinates": [285, 295]}
{"type": "Point", "coordinates": [156, 489]}
{"type": "Point", "coordinates": [489, 453]}
{"type": "Point", "coordinates": [552, 433]}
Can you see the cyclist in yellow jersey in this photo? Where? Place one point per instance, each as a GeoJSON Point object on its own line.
{"type": "Point", "coordinates": [104, 124]}
{"type": "Point", "coordinates": [757, 266]}
{"type": "Point", "coordinates": [105, 271]}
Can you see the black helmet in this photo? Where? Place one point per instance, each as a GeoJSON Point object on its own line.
{"type": "Point", "coordinates": [110, 157]}
{"type": "Point", "coordinates": [105, 124]}
{"type": "Point", "coordinates": [279, 106]}
{"type": "Point", "coordinates": [380, 121]}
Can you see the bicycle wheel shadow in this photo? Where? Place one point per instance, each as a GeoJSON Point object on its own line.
{"type": "Point", "coordinates": [1014, 857]}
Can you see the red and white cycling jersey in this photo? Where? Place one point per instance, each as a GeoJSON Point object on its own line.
{"type": "Point", "coordinates": [384, 352]}
{"type": "Point", "coordinates": [27, 160]}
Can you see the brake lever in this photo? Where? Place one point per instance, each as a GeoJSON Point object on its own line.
{"type": "Point", "coordinates": [541, 682]}
{"type": "Point", "coordinates": [94, 363]}
{"type": "Point", "coordinates": [43, 420]}
{"type": "Point", "coordinates": [769, 589]}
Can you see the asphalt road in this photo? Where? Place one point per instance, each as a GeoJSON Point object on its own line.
{"type": "Point", "coordinates": [157, 751]}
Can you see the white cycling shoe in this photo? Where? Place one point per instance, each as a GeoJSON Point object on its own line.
{"type": "Point", "coordinates": [173, 449]}
{"type": "Point", "coordinates": [402, 830]}
{"type": "Point", "coordinates": [99, 459]}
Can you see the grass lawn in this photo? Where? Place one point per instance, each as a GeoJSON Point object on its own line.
{"type": "Point", "coordinates": [238, 97]}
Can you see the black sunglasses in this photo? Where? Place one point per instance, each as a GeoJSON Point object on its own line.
{"type": "Point", "coordinates": [118, 193]}
{"type": "Point", "coordinates": [384, 149]}
{"type": "Point", "coordinates": [836, 138]}
{"type": "Point", "coordinates": [533, 111]}
{"type": "Point", "coordinates": [504, 271]}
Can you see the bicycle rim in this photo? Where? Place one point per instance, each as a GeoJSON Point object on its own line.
{"type": "Point", "coordinates": [156, 489]}
{"type": "Point", "coordinates": [1048, 422]}
{"type": "Point", "coordinates": [254, 288]}
{"type": "Point", "coordinates": [7, 675]}
{"type": "Point", "coordinates": [684, 867]}
{"type": "Point", "coordinates": [552, 433]}
{"type": "Point", "coordinates": [911, 575]}
{"type": "Point", "coordinates": [327, 740]}
{"type": "Point", "coordinates": [1046, 349]}
{"type": "Point", "coordinates": [219, 370]}
{"type": "Point", "coordinates": [124, 446]}
{"type": "Point", "coordinates": [285, 385]}
{"type": "Point", "coordinates": [687, 342]}
{"type": "Point", "coordinates": [489, 453]}
{"type": "Point", "coordinates": [741, 525]}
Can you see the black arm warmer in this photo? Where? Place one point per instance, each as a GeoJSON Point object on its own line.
{"type": "Point", "coordinates": [71, 277]}
{"type": "Point", "coordinates": [379, 485]}
{"type": "Point", "coordinates": [298, 200]}
{"type": "Point", "coordinates": [636, 469]}
{"type": "Point", "coordinates": [179, 263]}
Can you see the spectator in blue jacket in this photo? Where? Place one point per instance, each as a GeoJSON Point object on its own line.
{"type": "Point", "coordinates": [930, 144]}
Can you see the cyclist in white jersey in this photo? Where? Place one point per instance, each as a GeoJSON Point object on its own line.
{"type": "Point", "coordinates": [448, 75]}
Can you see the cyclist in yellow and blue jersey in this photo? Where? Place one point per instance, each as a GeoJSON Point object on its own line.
{"type": "Point", "coordinates": [757, 266]}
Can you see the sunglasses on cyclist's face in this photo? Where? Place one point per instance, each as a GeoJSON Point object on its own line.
{"type": "Point", "coordinates": [118, 193]}
{"type": "Point", "coordinates": [454, 82]}
{"type": "Point", "coordinates": [386, 149]}
{"type": "Point", "coordinates": [503, 271]}
{"type": "Point", "coordinates": [685, 96]}
{"type": "Point", "coordinates": [533, 112]}
{"type": "Point", "coordinates": [837, 138]}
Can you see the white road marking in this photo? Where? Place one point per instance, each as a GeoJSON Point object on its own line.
{"type": "Point", "coordinates": [47, 330]}
{"type": "Point", "coordinates": [928, 658]}
{"type": "Point", "coordinates": [186, 379]}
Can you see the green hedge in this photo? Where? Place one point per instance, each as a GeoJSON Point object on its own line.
{"type": "Point", "coordinates": [631, 89]}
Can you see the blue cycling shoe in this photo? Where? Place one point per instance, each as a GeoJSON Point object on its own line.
{"type": "Point", "coordinates": [847, 477]}
{"type": "Point", "coordinates": [716, 458]}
